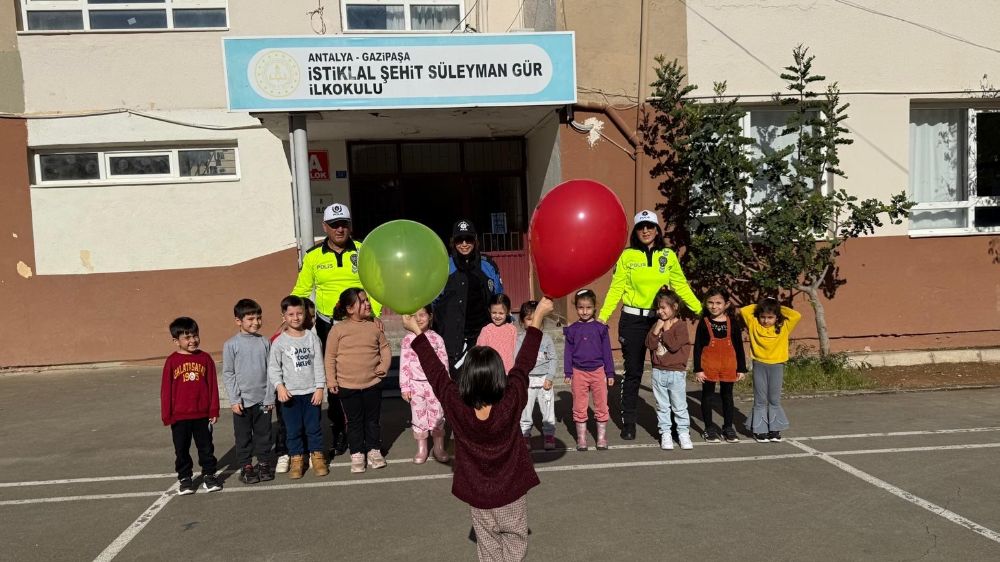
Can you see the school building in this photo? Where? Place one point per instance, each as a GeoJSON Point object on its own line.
{"type": "Point", "coordinates": [135, 188]}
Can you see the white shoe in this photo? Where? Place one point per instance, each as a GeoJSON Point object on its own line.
{"type": "Point", "coordinates": [666, 443]}
{"type": "Point", "coordinates": [281, 467]}
{"type": "Point", "coordinates": [685, 440]}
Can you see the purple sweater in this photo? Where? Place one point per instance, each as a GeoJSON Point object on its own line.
{"type": "Point", "coordinates": [588, 347]}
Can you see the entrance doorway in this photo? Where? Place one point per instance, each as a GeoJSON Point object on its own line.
{"type": "Point", "coordinates": [439, 182]}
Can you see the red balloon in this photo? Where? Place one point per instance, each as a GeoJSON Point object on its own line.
{"type": "Point", "coordinates": [577, 232]}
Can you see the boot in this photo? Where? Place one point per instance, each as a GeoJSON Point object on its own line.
{"type": "Point", "coordinates": [602, 436]}
{"type": "Point", "coordinates": [440, 450]}
{"type": "Point", "coordinates": [296, 467]}
{"type": "Point", "coordinates": [581, 436]}
{"type": "Point", "coordinates": [628, 431]}
{"type": "Point", "coordinates": [421, 456]}
{"type": "Point", "coordinates": [319, 463]}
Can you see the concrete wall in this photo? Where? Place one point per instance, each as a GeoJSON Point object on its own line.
{"type": "Point", "coordinates": [903, 46]}
{"type": "Point", "coordinates": [12, 85]}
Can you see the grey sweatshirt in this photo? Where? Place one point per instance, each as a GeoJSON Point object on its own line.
{"type": "Point", "coordinates": [296, 363]}
{"type": "Point", "coordinates": [545, 365]}
{"type": "Point", "coordinates": [244, 370]}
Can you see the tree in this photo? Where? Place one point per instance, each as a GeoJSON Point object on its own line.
{"type": "Point", "coordinates": [761, 222]}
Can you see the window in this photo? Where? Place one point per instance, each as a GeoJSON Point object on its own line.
{"type": "Point", "coordinates": [101, 167]}
{"type": "Point", "coordinates": [401, 15]}
{"type": "Point", "coordinates": [765, 126]}
{"type": "Point", "coordinates": [122, 15]}
{"type": "Point", "coordinates": [954, 171]}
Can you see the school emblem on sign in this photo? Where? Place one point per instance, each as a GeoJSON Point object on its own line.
{"type": "Point", "coordinates": [276, 74]}
{"type": "Point", "coordinates": [354, 262]}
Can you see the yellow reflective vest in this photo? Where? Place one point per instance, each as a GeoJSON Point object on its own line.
{"type": "Point", "coordinates": [330, 273]}
{"type": "Point", "coordinates": [637, 277]}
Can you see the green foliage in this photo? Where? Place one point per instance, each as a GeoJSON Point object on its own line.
{"type": "Point", "coordinates": [808, 372]}
{"type": "Point", "coordinates": [768, 223]}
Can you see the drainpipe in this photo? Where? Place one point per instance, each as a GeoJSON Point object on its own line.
{"type": "Point", "coordinates": [612, 115]}
{"type": "Point", "coordinates": [302, 194]}
{"type": "Point", "coordinates": [639, 97]}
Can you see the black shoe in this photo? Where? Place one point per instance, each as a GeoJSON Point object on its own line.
{"type": "Point", "coordinates": [266, 471]}
{"type": "Point", "coordinates": [711, 436]}
{"type": "Point", "coordinates": [249, 475]}
{"type": "Point", "coordinates": [762, 437]}
{"type": "Point", "coordinates": [774, 436]}
{"type": "Point", "coordinates": [339, 443]}
{"type": "Point", "coordinates": [186, 487]}
{"type": "Point", "coordinates": [210, 483]}
{"type": "Point", "coordinates": [628, 431]}
{"type": "Point", "coordinates": [729, 434]}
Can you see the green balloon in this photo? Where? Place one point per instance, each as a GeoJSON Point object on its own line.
{"type": "Point", "coordinates": [403, 265]}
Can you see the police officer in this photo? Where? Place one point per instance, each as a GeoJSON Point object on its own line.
{"type": "Point", "coordinates": [329, 267]}
{"type": "Point", "coordinates": [642, 269]}
{"type": "Point", "coordinates": [462, 309]}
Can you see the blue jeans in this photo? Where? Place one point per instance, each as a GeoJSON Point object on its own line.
{"type": "Point", "coordinates": [300, 415]}
{"type": "Point", "coordinates": [670, 390]}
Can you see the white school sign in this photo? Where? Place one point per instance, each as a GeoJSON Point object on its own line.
{"type": "Point", "coordinates": [399, 71]}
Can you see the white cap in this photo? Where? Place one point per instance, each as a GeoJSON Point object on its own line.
{"type": "Point", "coordinates": [645, 216]}
{"type": "Point", "coordinates": [337, 212]}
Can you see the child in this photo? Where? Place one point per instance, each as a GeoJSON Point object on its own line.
{"type": "Point", "coordinates": [426, 414]}
{"type": "Point", "coordinates": [588, 368]}
{"type": "Point", "coordinates": [500, 334]}
{"type": "Point", "coordinates": [718, 358]}
{"type": "Point", "coordinates": [189, 404]}
{"type": "Point", "coordinates": [539, 383]}
{"type": "Point", "coordinates": [244, 371]}
{"type": "Point", "coordinates": [670, 345]}
{"type": "Point", "coordinates": [492, 469]}
{"type": "Point", "coordinates": [357, 359]}
{"type": "Point", "coordinates": [768, 325]}
{"type": "Point", "coordinates": [295, 370]}
{"type": "Point", "coordinates": [280, 432]}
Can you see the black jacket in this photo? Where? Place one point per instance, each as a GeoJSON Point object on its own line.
{"type": "Point", "coordinates": [450, 308]}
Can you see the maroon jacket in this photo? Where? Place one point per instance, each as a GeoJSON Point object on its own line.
{"type": "Point", "coordinates": [492, 467]}
{"type": "Point", "coordinates": [189, 390]}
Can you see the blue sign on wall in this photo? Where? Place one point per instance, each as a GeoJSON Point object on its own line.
{"type": "Point", "coordinates": [399, 71]}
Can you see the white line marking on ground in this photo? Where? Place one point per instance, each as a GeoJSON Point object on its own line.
{"type": "Point", "coordinates": [897, 433]}
{"type": "Point", "coordinates": [138, 525]}
{"type": "Point", "coordinates": [78, 498]}
{"type": "Point", "coordinates": [630, 446]}
{"type": "Point", "coordinates": [901, 493]}
{"type": "Point", "coordinates": [916, 449]}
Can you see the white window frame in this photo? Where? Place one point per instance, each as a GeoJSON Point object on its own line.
{"type": "Point", "coordinates": [104, 156]}
{"type": "Point", "coordinates": [972, 200]}
{"type": "Point", "coordinates": [85, 8]}
{"type": "Point", "coordinates": [406, 14]}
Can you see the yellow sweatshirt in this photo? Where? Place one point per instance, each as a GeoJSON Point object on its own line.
{"type": "Point", "coordinates": [766, 345]}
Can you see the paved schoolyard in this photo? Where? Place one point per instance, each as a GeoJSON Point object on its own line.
{"type": "Point", "coordinates": [85, 474]}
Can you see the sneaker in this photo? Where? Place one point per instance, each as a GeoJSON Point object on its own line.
{"type": "Point", "coordinates": [685, 440]}
{"type": "Point", "coordinates": [774, 436]}
{"type": "Point", "coordinates": [210, 483]}
{"type": "Point", "coordinates": [550, 442]}
{"type": "Point", "coordinates": [375, 459]}
{"type": "Point", "coordinates": [666, 443]}
{"type": "Point", "coordinates": [357, 462]}
{"type": "Point", "coordinates": [711, 436]}
{"type": "Point", "coordinates": [761, 438]}
{"type": "Point", "coordinates": [186, 487]}
{"type": "Point", "coordinates": [264, 469]}
{"type": "Point", "coordinates": [282, 465]}
{"type": "Point", "coordinates": [729, 434]}
{"type": "Point", "coordinates": [249, 475]}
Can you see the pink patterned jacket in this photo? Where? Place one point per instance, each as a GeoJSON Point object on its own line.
{"type": "Point", "coordinates": [410, 370]}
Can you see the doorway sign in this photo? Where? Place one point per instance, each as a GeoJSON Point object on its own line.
{"type": "Point", "coordinates": [319, 165]}
{"type": "Point", "coordinates": [399, 71]}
